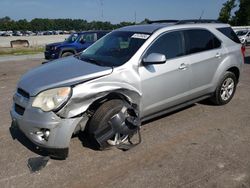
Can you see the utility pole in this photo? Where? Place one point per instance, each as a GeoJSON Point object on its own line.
{"type": "Point", "coordinates": [101, 1]}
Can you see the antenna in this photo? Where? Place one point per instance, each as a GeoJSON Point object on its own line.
{"type": "Point", "coordinates": [202, 13]}
{"type": "Point", "coordinates": [101, 1]}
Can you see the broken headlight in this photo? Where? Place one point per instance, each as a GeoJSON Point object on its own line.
{"type": "Point", "coordinates": [52, 99]}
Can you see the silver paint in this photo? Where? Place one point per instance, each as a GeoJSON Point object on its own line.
{"type": "Point", "coordinates": [149, 88]}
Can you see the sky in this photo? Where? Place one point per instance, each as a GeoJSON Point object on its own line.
{"type": "Point", "coordinates": [114, 11]}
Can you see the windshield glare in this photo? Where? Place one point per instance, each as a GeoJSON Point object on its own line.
{"type": "Point", "coordinates": [72, 38]}
{"type": "Point", "coordinates": [114, 49]}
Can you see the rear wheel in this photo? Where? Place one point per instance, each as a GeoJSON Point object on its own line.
{"type": "Point", "coordinates": [225, 90]}
{"type": "Point", "coordinates": [99, 125]}
{"type": "Point", "coordinates": [65, 54]}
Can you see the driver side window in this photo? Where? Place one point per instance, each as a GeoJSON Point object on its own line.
{"type": "Point", "coordinates": [90, 37]}
{"type": "Point", "coordinates": [169, 44]}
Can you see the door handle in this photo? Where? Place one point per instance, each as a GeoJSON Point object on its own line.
{"type": "Point", "coordinates": [183, 66]}
{"type": "Point", "coordinates": [218, 55]}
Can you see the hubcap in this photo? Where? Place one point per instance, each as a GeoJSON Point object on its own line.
{"type": "Point", "coordinates": [117, 139]}
{"type": "Point", "coordinates": [227, 89]}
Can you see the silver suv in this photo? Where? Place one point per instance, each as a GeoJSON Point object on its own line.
{"type": "Point", "coordinates": [131, 75]}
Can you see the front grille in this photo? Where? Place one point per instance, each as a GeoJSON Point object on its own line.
{"type": "Point", "coordinates": [23, 93]}
{"type": "Point", "coordinates": [47, 48]}
{"type": "Point", "coordinates": [20, 110]}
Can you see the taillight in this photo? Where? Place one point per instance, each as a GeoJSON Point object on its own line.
{"type": "Point", "coordinates": [243, 50]}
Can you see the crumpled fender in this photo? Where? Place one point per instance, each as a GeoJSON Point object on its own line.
{"type": "Point", "coordinates": [122, 82]}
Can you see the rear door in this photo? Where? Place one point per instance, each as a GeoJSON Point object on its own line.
{"type": "Point", "coordinates": [205, 53]}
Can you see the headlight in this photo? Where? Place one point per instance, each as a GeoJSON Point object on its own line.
{"type": "Point", "coordinates": [52, 99]}
{"type": "Point", "coordinates": [53, 48]}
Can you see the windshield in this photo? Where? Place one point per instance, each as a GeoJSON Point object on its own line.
{"type": "Point", "coordinates": [72, 38]}
{"type": "Point", "coordinates": [241, 33]}
{"type": "Point", "coordinates": [114, 49]}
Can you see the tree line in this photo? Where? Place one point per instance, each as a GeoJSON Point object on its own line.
{"type": "Point", "coordinates": [41, 24]}
{"type": "Point", "coordinates": [235, 12]}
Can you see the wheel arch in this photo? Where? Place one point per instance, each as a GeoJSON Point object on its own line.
{"type": "Point", "coordinates": [64, 50]}
{"type": "Point", "coordinates": [111, 96]}
{"type": "Point", "coordinates": [236, 72]}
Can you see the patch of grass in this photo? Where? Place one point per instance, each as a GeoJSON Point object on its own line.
{"type": "Point", "coordinates": [21, 51]}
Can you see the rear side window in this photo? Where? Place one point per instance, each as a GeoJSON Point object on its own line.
{"type": "Point", "coordinates": [199, 40]}
{"type": "Point", "coordinates": [228, 31]}
{"type": "Point", "coordinates": [169, 44]}
{"type": "Point", "coordinates": [89, 37]}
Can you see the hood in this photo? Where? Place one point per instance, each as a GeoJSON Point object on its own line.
{"type": "Point", "coordinates": [62, 72]}
{"type": "Point", "coordinates": [56, 44]}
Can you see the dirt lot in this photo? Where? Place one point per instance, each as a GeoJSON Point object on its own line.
{"type": "Point", "coordinates": [33, 40]}
{"type": "Point", "coordinates": [201, 146]}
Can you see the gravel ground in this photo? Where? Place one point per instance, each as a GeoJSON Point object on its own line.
{"type": "Point", "coordinates": [200, 146]}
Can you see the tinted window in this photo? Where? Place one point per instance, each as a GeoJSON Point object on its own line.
{"type": "Point", "coordinates": [198, 40]}
{"type": "Point", "coordinates": [89, 37]}
{"type": "Point", "coordinates": [240, 33]}
{"type": "Point", "coordinates": [170, 44]}
{"type": "Point", "coordinates": [72, 38]}
{"type": "Point", "coordinates": [228, 31]}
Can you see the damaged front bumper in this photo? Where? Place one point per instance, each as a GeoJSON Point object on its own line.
{"type": "Point", "coordinates": [45, 129]}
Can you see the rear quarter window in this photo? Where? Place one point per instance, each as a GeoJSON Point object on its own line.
{"type": "Point", "coordinates": [199, 40]}
{"type": "Point", "coordinates": [228, 31]}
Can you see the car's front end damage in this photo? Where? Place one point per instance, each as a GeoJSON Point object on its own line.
{"type": "Point", "coordinates": [62, 97]}
{"type": "Point", "coordinates": [51, 126]}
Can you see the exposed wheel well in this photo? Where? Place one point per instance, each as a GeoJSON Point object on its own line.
{"type": "Point", "coordinates": [96, 104]}
{"type": "Point", "coordinates": [236, 72]}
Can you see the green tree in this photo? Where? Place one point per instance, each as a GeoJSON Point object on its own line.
{"type": "Point", "coordinates": [242, 16]}
{"type": "Point", "coordinates": [43, 24]}
{"type": "Point", "coordinates": [225, 13]}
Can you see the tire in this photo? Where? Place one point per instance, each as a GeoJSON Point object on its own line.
{"type": "Point", "coordinates": [225, 90]}
{"type": "Point", "coordinates": [99, 121]}
{"type": "Point", "coordinates": [65, 54]}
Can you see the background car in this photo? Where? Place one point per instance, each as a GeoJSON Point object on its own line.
{"type": "Point", "coordinates": [75, 43]}
{"type": "Point", "coordinates": [244, 36]}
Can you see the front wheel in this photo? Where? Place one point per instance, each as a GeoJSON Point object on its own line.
{"type": "Point", "coordinates": [99, 127]}
{"type": "Point", "coordinates": [66, 54]}
{"type": "Point", "coordinates": [225, 90]}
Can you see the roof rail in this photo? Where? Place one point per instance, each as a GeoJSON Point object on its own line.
{"type": "Point", "coordinates": [197, 21]}
{"type": "Point", "coordinates": [194, 21]}
{"type": "Point", "coordinates": [162, 21]}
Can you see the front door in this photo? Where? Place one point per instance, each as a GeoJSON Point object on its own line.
{"type": "Point", "coordinates": [165, 85]}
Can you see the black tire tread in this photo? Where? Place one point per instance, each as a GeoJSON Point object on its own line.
{"type": "Point", "coordinates": [216, 99]}
{"type": "Point", "coordinates": [103, 113]}
{"type": "Point", "coordinates": [68, 54]}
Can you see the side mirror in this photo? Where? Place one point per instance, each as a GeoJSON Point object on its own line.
{"type": "Point", "coordinates": [154, 58]}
